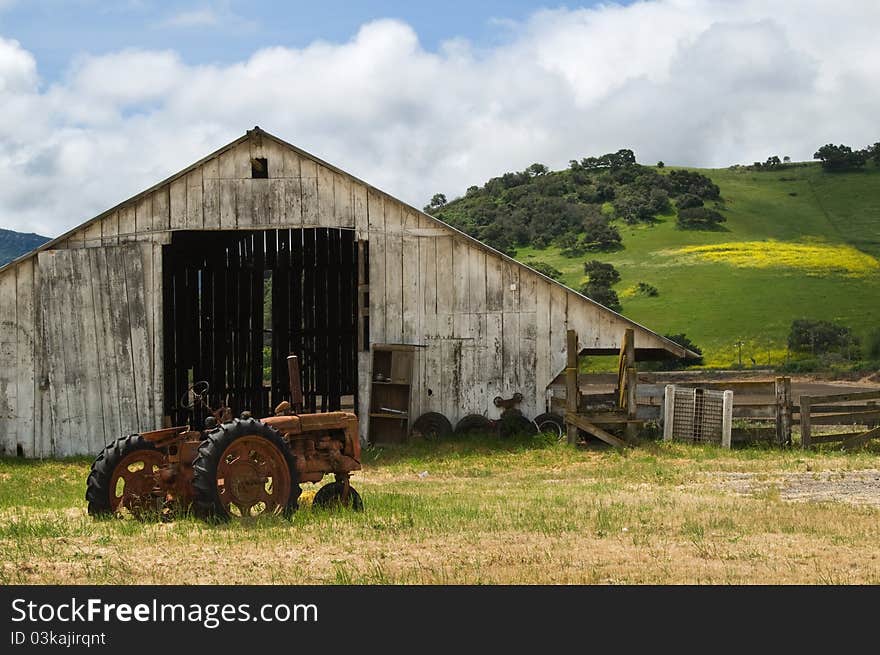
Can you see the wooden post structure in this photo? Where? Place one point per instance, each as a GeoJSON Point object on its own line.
{"type": "Point", "coordinates": [805, 421]}
{"type": "Point", "coordinates": [631, 377]}
{"type": "Point", "coordinates": [727, 419]}
{"type": "Point", "coordinates": [571, 384]}
{"type": "Point", "coordinates": [783, 411]}
{"type": "Point", "coordinates": [668, 411]}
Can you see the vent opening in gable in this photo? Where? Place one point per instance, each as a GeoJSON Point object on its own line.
{"type": "Point", "coordinates": [259, 167]}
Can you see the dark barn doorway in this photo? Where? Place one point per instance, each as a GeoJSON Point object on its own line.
{"type": "Point", "coordinates": [237, 303]}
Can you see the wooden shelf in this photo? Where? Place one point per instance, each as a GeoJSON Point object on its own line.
{"type": "Point", "coordinates": [399, 384]}
{"type": "Point", "coordinates": [401, 417]}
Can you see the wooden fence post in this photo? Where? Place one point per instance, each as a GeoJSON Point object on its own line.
{"type": "Point", "coordinates": [631, 430]}
{"type": "Point", "coordinates": [572, 391]}
{"type": "Point", "coordinates": [783, 411]}
{"type": "Point", "coordinates": [668, 411]}
{"type": "Point", "coordinates": [805, 421]}
{"type": "Point", "coordinates": [727, 419]}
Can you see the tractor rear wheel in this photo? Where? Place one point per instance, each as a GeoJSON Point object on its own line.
{"type": "Point", "coordinates": [330, 496]}
{"type": "Point", "coordinates": [123, 478]}
{"type": "Point", "coordinates": [244, 469]}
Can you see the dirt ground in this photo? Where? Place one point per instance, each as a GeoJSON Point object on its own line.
{"type": "Point", "coordinates": [851, 487]}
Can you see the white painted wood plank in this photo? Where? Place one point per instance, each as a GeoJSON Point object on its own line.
{"type": "Point", "coordinates": [177, 193]}
{"type": "Point", "coordinates": [244, 203]}
{"type": "Point", "coordinates": [106, 340]}
{"type": "Point", "coordinates": [558, 329]}
{"type": "Point", "coordinates": [376, 211]}
{"type": "Point", "coordinates": [9, 436]}
{"type": "Point", "coordinates": [140, 346]}
{"type": "Point", "coordinates": [445, 288]}
{"type": "Point", "coordinates": [428, 274]}
{"type": "Point", "coordinates": [120, 334]}
{"type": "Point", "coordinates": [127, 229]}
{"type": "Point", "coordinates": [260, 194]}
{"type": "Point", "coordinates": [528, 332]}
{"type": "Point", "coordinates": [158, 337]}
{"type": "Point", "coordinates": [109, 229]}
{"type": "Point", "coordinates": [26, 345]}
{"type": "Point", "coordinates": [161, 209]}
{"type": "Point", "coordinates": [528, 284]}
{"type": "Point", "coordinates": [93, 437]}
{"type": "Point", "coordinates": [542, 345]}
{"type": "Point", "coordinates": [228, 218]}
{"type": "Point", "coordinates": [377, 288]}
{"type": "Point", "coordinates": [326, 199]}
{"type": "Point", "coordinates": [450, 378]}
{"type": "Point", "coordinates": [510, 382]}
{"type": "Point", "coordinates": [211, 194]}
{"type": "Point", "coordinates": [342, 201]}
{"type": "Point", "coordinates": [492, 362]}
{"type": "Point", "coordinates": [93, 235]}
{"type": "Point", "coordinates": [477, 279]}
{"type": "Point", "coordinates": [410, 291]}
{"type": "Point", "coordinates": [195, 219]}
{"type": "Point", "coordinates": [309, 180]}
{"type": "Point", "coordinates": [143, 218]}
{"type": "Point", "coordinates": [510, 277]}
{"type": "Point", "coordinates": [360, 211]}
{"type": "Point", "coordinates": [393, 288]}
{"type": "Point", "coordinates": [460, 276]}
{"type": "Point", "coordinates": [494, 283]}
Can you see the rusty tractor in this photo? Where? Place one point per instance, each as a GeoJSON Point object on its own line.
{"type": "Point", "coordinates": [233, 468]}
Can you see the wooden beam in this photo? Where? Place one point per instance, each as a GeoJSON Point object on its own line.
{"type": "Point", "coordinates": [578, 421]}
{"type": "Point", "coordinates": [571, 374]}
{"type": "Point", "coordinates": [860, 439]}
{"type": "Point", "coordinates": [806, 401]}
{"type": "Point", "coordinates": [844, 397]}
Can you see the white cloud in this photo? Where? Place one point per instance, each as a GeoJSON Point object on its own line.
{"type": "Point", "coordinates": [194, 18]}
{"type": "Point", "coordinates": [692, 82]}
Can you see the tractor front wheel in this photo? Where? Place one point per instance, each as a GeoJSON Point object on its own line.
{"type": "Point", "coordinates": [123, 478]}
{"type": "Point", "coordinates": [244, 469]}
{"type": "Point", "coordinates": [330, 496]}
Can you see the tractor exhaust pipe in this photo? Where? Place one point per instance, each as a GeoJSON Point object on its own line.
{"type": "Point", "coordinates": [296, 394]}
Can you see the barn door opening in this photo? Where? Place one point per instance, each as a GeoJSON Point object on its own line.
{"type": "Point", "coordinates": [238, 303]}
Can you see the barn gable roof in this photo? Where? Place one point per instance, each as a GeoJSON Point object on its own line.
{"type": "Point", "coordinates": [669, 348]}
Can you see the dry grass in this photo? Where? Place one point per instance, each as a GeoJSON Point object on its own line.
{"type": "Point", "coordinates": [486, 512]}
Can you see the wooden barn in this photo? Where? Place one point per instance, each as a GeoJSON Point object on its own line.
{"type": "Point", "coordinates": [261, 248]}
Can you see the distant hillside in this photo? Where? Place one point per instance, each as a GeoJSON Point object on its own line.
{"type": "Point", "coordinates": [772, 244]}
{"type": "Point", "coordinates": [15, 244]}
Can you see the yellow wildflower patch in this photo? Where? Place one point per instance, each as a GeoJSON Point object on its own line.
{"type": "Point", "coordinates": [813, 257]}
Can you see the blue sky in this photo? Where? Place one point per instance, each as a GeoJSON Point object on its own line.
{"type": "Point", "coordinates": [100, 100]}
{"type": "Point", "coordinates": [222, 32]}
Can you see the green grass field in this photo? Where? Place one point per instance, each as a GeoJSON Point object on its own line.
{"type": "Point", "coordinates": [802, 243]}
{"type": "Point", "coordinates": [485, 511]}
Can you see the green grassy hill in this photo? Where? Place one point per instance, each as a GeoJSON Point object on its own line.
{"type": "Point", "coordinates": [797, 243]}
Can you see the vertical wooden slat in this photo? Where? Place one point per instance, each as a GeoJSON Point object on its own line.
{"type": "Point", "coordinates": [571, 383]}
{"type": "Point", "coordinates": [460, 278]}
{"type": "Point", "coordinates": [177, 199]}
{"type": "Point", "coordinates": [211, 194]}
{"type": "Point", "coordinates": [309, 181]}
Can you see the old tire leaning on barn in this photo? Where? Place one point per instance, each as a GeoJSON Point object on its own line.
{"type": "Point", "coordinates": [551, 423]}
{"type": "Point", "coordinates": [513, 423]}
{"type": "Point", "coordinates": [473, 423]}
{"type": "Point", "coordinates": [330, 496]}
{"type": "Point", "coordinates": [245, 469]}
{"type": "Point", "coordinates": [433, 426]}
{"type": "Point", "coordinates": [122, 478]}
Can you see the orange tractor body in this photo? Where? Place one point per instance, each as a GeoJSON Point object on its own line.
{"type": "Point", "coordinates": [240, 468]}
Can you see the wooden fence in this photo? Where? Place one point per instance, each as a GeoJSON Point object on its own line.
{"type": "Point", "coordinates": [827, 410]}
{"type": "Point", "coordinates": [762, 408]}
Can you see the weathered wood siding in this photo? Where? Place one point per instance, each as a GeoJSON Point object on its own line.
{"type": "Point", "coordinates": [81, 324]}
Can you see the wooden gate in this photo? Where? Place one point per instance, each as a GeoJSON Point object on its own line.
{"type": "Point", "coordinates": [827, 410]}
